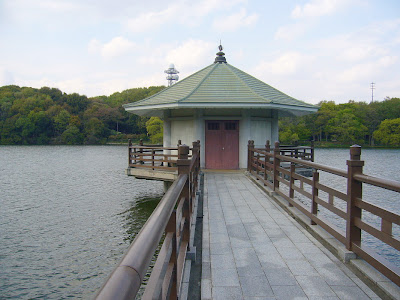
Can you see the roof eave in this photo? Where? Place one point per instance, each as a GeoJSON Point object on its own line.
{"type": "Point", "coordinates": [146, 109]}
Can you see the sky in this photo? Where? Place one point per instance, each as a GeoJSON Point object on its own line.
{"type": "Point", "coordinates": [312, 50]}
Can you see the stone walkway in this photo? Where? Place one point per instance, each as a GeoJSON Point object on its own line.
{"type": "Point", "coordinates": [253, 250]}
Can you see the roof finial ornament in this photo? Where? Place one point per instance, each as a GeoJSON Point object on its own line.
{"type": "Point", "coordinates": [220, 55]}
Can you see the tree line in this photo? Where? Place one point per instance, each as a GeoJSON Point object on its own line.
{"type": "Point", "coordinates": [30, 116]}
{"type": "Point", "coordinates": [375, 123]}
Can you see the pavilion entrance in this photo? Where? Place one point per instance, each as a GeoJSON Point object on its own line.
{"type": "Point", "coordinates": [222, 145]}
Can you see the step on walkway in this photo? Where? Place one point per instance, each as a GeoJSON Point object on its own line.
{"type": "Point", "coordinates": [253, 250]}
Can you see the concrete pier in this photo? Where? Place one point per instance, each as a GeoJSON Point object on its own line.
{"type": "Point", "coordinates": [252, 249]}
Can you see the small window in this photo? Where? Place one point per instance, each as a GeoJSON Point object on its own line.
{"type": "Point", "coordinates": [213, 126]}
{"type": "Point", "coordinates": [230, 126]}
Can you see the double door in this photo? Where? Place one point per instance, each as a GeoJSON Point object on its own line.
{"type": "Point", "coordinates": [222, 145]}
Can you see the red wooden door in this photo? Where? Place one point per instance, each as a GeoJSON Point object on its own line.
{"type": "Point", "coordinates": [222, 145]}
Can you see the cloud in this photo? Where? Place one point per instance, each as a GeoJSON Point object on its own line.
{"type": "Point", "coordinates": [187, 13]}
{"type": "Point", "coordinates": [118, 46]}
{"type": "Point", "coordinates": [150, 20]}
{"type": "Point", "coordinates": [286, 64]}
{"type": "Point", "coordinates": [6, 77]}
{"type": "Point", "coordinates": [367, 70]}
{"type": "Point", "coordinates": [191, 53]}
{"type": "Point", "coordinates": [235, 21]}
{"type": "Point", "coordinates": [291, 31]}
{"type": "Point", "coordinates": [371, 42]}
{"type": "Point", "coordinates": [317, 8]}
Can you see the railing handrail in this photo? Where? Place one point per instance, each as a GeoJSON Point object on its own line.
{"type": "Point", "coordinates": [379, 182]}
{"type": "Point", "coordinates": [175, 207]}
{"type": "Point", "coordinates": [127, 277]}
{"type": "Point", "coordinates": [267, 167]}
{"type": "Point", "coordinates": [314, 165]}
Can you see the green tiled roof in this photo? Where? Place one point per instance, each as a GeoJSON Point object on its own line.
{"type": "Point", "coordinates": [220, 83]}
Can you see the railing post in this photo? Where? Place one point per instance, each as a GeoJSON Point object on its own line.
{"type": "Point", "coordinates": [314, 205]}
{"type": "Point", "coordinates": [172, 228]}
{"type": "Point", "coordinates": [266, 161]}
{"type": "Point", "coordinates": [312, 150]}
{"type": "Point", "coordinates": [183, 164]}
{"type": "Point", "coordinates": [129, 152]}
{"type": "Point", "coordinates": [277, 164]}
{"type": "Point", "coordinates": [141, 152]}
{"type": "Point", "coordinates": [249, 156]}
{"type": "Point", "coordinates": [354, 191]}
{"type": "Point", "coordinates": [291, 182]}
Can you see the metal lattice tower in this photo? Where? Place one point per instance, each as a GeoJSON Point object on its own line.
{"type": "Point", "coordinates": [171, 77]}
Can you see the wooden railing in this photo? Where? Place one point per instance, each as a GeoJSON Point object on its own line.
{"type": "Point", "coordinates": [171, 219]}
{"type": "Point", "coordinates": [266, 166]}
{"type": "Point", "coordinates": [153, 156]}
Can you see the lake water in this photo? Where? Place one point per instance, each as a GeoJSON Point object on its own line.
{"type": "Point", "coordinates": [383, 163]}
{"type": "Point", "coordinates": [68, 213]}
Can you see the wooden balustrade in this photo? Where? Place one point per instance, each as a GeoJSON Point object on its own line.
{"type": "Point", "coordinates": [267, 167]}
{"type": "Point", "coordinates": [171, 219]}
{"type": "Point", "coordinates": [153, 157]}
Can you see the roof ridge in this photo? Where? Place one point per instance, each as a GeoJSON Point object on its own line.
{"type": "Point", "coordinates": [246, 85]}
{"type": "Point", "coordinates": [200, 82]}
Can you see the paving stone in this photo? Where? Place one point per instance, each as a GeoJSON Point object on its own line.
{"type": "Point", "coordinates": [224, 293]}
{"type": "Point", "coordinates": [308, 248]}
{"type": "Point", "coordinates": [206, 289]}
{"type": "Point", "coordinates": [271, 261]}
{"type": "Point", "coordinates": [349, 292]}
{"type": "Point", "coordinates": [219, 238]}
{"type": "Point", "coordinates": [220, 248]}
{"type": "Point", "coordinates": [280, 276]}
{"type": "Point", "coordinates": [334, 276]}
{"type": "Point", "coordinates": [240, 243]}
{"type": "Point", "coordinates": [289, 292]}
{"type": "Point", "coordinates": [223, 261]}
{"type": "Point", "coordinates": [224, 277]}
{"type": "Point", "coordinates": [251, 270]}
{"type": "Point", "coordinates": [301, 267]}
{"type": "Point", "coordinates": [245, 257]}
{"type": "Point", "coordinates": [253, 286]}
{"type": "Point", "coordinates": [314, 286]}
{"type": "Point", "coordinates": [206, 270]}
{"type": "Point", "coordinates": [259, 298]}
{"type": "Point", "coordinates": [290, 253]}
{"type": "Point", "coordinates": [281, 242]}
{"type": "Point", "coordinates": [252, 250]}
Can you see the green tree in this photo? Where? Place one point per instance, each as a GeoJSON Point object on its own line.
{"type": "Point", "coordinates": [388, 132]}
{"type": "Point", "coordinates": [96, 132]}
{"type": "Point", "coordinates": [72, 136]}
{"type": "Point", "coordinates": [154, 128]}
{"type": "Point", "coordinates": [61, 121]}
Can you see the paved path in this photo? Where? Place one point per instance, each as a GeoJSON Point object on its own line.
{"type": "Point", "coordinates": [253, 250]}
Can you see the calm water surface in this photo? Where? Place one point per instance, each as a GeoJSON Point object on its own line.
{"type": "Point", "coordinates": [383, 163]}
{"type": "Point", "coordinates": [67, 215]}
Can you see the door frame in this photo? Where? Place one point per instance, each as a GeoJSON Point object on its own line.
{"type": "Point", "coordinates": [224, 132]}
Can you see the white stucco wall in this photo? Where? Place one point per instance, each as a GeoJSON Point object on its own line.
{"type": "Point", "coordinates": [182, 130]}
{"type": "Point", "coordinates": [192, 128]}
{"type": "Point", "coordinates": [261, 132]}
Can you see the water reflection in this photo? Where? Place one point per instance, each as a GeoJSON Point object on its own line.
{"type": "Point", "coordinates": [137, 215]}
